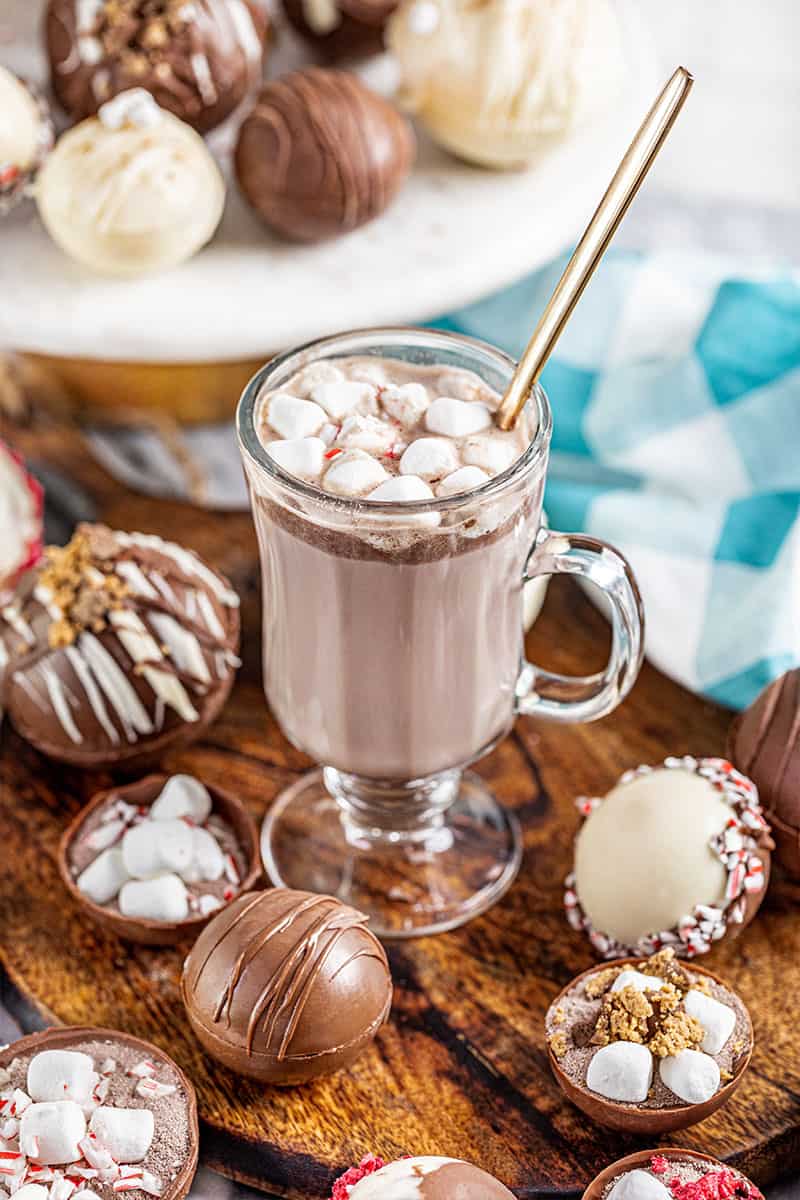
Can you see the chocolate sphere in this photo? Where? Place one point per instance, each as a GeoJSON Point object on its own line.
{"type": "Point", "coordinates": [21, 516]}
{"type": "Point", "coordinates": [115, 647]}
{"type": "Point", "coordinates": [676, 855]}
{"type": "Point", "coordinates": [197, 59]}
{"type": "Point", "coordinates": [764, 742]}
{"type": "Point", "coordinates": [341, 28]}
{"type": "Point", "coordinates": [321, 154]}
{"type": "Point", "coordinates": [26, 136]}
{"type": "Point", "coordinates": [429, 1178]}
{"type": "Point", "coordinates": [286, 986]}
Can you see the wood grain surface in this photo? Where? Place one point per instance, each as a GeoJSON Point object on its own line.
{"type": "Point", "coordinates": [461, 1069]}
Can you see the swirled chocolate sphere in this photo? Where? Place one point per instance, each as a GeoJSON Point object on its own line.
{"type": "Point", "coordinates": [286, 986]}
{"type": "Point", "coordinates": [764, 742]}
{"type": "Point", "coordinates": [115, 647]}
{"type": "Point", "coordinates": [321, 154]}
{"type": "Point", "coordinates": [198, 58]}
{"type": "Point", "coordinates": [341, 28]}
{"type": "Point", "coordinates": [424, 1178]}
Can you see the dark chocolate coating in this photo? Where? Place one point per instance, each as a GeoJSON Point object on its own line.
{"type": "Point", "coordinates": [631, 1118]}
{"type": "Point", "coordinates": [286, 986]}
{"type": "Point", "coordinates": [198, 63]}
{"type": "Point", "coordinates": [321, 154]}
{"type": "Point", "coordinates": [359, 31]}
{"type": "Point", "coordinates": [642, 1158]}
{"type": "Point", "coordinates": [70, 1036]}
{"type": "Point", "coordinates": [764, 743]}
{"type": "Point", "coordinates": [101, 723]}
{"type": "Point", "coordinates": [142, 794]}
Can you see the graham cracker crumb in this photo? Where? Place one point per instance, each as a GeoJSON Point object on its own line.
{"type": "Point", "coordinates": [81, 584]}
{"type": "Point", "coordinates": [656, 1020]}
{"type": "Point", "coordinates": [665, 965]}
{"type": "Point", "coordinates": [598, 985]}
{"type": "Point", "coordinates": [559, 1015]}
{"type": "Point", "coordinates": [558, 1044]}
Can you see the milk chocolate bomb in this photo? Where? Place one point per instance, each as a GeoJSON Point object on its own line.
{"type": "Point", "coordinates": [117, 646]}
{"type": "Point", "coordinates": [764, 742]}
{"type": "Point", "coordinates": [341, 28]}
{"type": "Point", "coordinates": [286, 986]}
{"type": "Point", "coordinates": [321, 154]}
{"type": "Point", "coordinates": [198, 60]}
{"type": "Point", "coordinates": [427, 1177]}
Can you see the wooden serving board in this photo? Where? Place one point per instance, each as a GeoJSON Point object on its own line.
{"type": "Point", "coordinates": [462, 1068]}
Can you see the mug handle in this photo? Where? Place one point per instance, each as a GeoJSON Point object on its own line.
{"type": "Point", "coordinates": [586, 697]}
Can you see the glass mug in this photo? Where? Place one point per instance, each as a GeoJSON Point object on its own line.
{"type": "Point", "coordinates": [393, 656]}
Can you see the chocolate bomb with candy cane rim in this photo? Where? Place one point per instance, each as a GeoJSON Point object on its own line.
{"type": "Point", "coordinates": [286, 986]}
{"type": "Point", "coordinates": [198, 59]}
{"type": "Point", "coordinates": [116, 647]}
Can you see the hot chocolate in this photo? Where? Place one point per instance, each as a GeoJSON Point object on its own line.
{"type": "Point", "coordinates": [415, 619]}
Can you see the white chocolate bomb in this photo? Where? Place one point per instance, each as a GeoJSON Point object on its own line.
{"type": "Point", "coordinates": [643, 859]}
{"type": "Point", "coordinates": [131, 191]}
{"type": "Point", "coordinates": [20, 123]}
{"type": "Point", "coordinates": [497, 83]}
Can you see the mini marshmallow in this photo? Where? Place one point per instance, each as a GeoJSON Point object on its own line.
{"type": "Point", "coordinates": [464, 385]}
{"type": "Point", "coordinates": [49, 1133]}
{"type": "Point", "coordinates": [155, 846]}
{"type": "Point", "coordinates": [353, 473]}
{"type": "Point", "coordinates": [31, 1191]}
{"type": "Point", "coordinates": [718, 1020]}
{"type": "Point", "coordinates": [292, 417]}
{"type": "Point", "coordinates": [621, 1071]}
{"type": "Point", "coordinates": [162, 899]}
{"type": "Point", "coordinates": [303, 457]}
{"type": "Point", "coordinates": [402, 487]}
{"type": "Point", "coordinates": [430, 458]}
{"type": "Point", "coordinates": [457, 418]}
{"type": "Point", "coordinates": [639, 1185]}
{"type": "Point", "coordinates": [339, 399]}
{"type": "Point", "coordinates": [691, 1075]}
{"type": "Point", "coordinates": [182, 796]}
{"type": "Point", "coordinates": [208, 904]}
{"type": "Point", "coordinates": [492, 454]}
{"type": "Point", "coordinates": [61, 1075]}
{"type": "Point", "coordinates": [208, 861]}
{"type": "Point", "coordinates": [465, 479]}
{"type": "Point", "coordinates": [328, 433]}
{"type": "Point", "coordinates": [315, 373]}
{"type": "Point", "coordinates": [125, 1132]}
{"type": "Point", "coordinates": [362, 431]}
{"type": "Point", "coordinates": [637, 979]}
{"type": "Point", "coordinates": [368, 372]}
{"type": "Point", "coordinates": [406, 403]}
{"type": "Point", "coordinates": [103, 878]}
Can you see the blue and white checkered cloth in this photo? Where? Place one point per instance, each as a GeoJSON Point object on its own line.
{"type": "Point", "coordinates": [676, 399]}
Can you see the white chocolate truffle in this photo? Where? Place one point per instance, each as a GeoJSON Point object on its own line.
{"type": "Point", "coordinates": [20, 123]}
{"type": "Point", "coordinates": [131, 191]}
{"type": "Point", "coordinates": [497, 83]}
{"type": "Point", "coordinates": [643, 859]}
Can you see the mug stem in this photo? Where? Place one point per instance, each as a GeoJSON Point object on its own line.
{"type": "Point", "coordinates": [395, 812]}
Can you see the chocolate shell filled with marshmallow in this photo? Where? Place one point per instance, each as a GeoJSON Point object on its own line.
{"type": "Point", "coordinates": [117, 646]}
{"type": "Point", "coordinates": [497, 83]}
{"type": "Point", "coordinates": [90, 1112]}
{"type": "Point", "coordinates": [676, 855]}
{"type": "Point", "coordinates": [198, 60]}
{"type": "Point", "coordinates": [648, 1045]}
{"type": "Point", "coordinates": [153, 860]}
{"type": "Point", "coordinates": [670, 1173]}
{"type": "Point", "coordinates": [132, 191]}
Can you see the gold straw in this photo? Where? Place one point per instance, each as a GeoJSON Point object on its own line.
{"type": "Point", "coordinates": [627, 180]}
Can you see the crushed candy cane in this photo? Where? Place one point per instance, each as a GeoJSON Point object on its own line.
{"type": "Point", "coordinates": [369, 1164]}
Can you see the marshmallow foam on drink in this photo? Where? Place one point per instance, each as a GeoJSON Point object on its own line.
{"type": "Point", "coordinates": [103, 878]}
{"type": "Point", "coordinates": [639, 1185]}
{"type": "Point", "coordinates": [621, 1071]}
{"type": "Point", "coordinates": [125, 1132]}
{"type": "Point", "coordinates": [182, 796]}
{"type": "Point", "coordinates": [61, 1075]}
{"type": "Point", "coordinates": [718, 1020]}
{"type": "Point", "coordinates": [303, 457]}
{"type": "Point", "coordinates": [156, 846]}
{"type": "Point", "coordinates": [457, 418]}
{"type": "Point", "coordinates": [49, 1132]}
{"type": "Point", "coordinates": [163, 898]}
{"type": "Point", "coordinates": [637, 979]}
{"type": "Point", "coordinates": [294, 418]}
{"type": "Point", "coordinates": [691, 1075]}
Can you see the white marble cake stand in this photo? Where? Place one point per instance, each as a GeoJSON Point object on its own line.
{"type": "Point", "coordinates": [455, 234]}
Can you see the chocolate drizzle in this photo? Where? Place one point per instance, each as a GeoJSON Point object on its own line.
{"type": "Point", "coordinates": [284, 976]}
